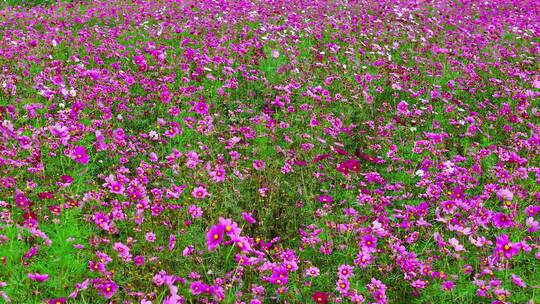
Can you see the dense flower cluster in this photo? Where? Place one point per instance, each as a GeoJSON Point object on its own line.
{"type": "Point", "coordinates": [270, 152]}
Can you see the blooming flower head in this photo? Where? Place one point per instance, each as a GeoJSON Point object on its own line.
{"type": "Point", "coordinates": [138, 260]}
{"type": "Point", "coordinates": [150, 237]}
{"type": "Point", "coordinates": [200, 192]}
{"type": "Point", "coordinates": [57, 301]}
{"type": "Point", "coordinates": [320, 297]}
{"type": "Point", "coordinates": [79, 155]}
{"type": "Point", "coordinates": [214, 236]}
{"type": "Point", "coordinates": [106, 288]}
{"type": "Point", "coordinates": [230, 227]}
{"type": "Point", "coordinates": [501, 220]}
{"type": "Point", "coordinates": [419, 284]}
{"type": "Point", "coordinates": [312, 272]}
{"type": "Point", "coordinates": [195, 211]}
{"type": "Point", "coordinates": [38, 277]}
{"type": "Point", "coordinates": [447, 285]}
{"type": "Point", "coordinates": [258, 165]}
{"type": "Point", "coordinates": [248, 218]}
{"type": "Point", "coordinates": [368, 243]}
{"type": "Point", "coordinates": [345, 271]}
{"type": "Point", "coordinates": [325, 198]}
{"type": "Point", "coordinates": [201, 108]}
{"type": "Point", "coordinates": [241, 243]}
{"type": "Point", "coordinates": [518, 281]}
{"type": "Point", "coordinates": [342, 286]}
{"type": "Point", "coordinates": [505, 247]}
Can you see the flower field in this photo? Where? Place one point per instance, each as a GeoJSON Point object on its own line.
{"type": "Point", "coordinates": [270, 151]}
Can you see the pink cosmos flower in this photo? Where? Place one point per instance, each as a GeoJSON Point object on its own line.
{"type": "Point", "coordinates": [518, 281]}
{"type": "Point", "coordinates": [447, 285]}
{"type": "Point", "coordinates": [368, 243]}
{"type": "Point", "coordinates": [259, 165]}
{"type": "Point", "coordinates": [345, 271]}
{"type": "Point", "coordinates": [106, 288]}
{"type": "Point", "coordinates": [200, 192]}
{"type": "Point", "coordinates": [138, 260]}
{"type": "Point", "coordinates": [79, 155]}
{"type": "Point", "coordinates": [230, 227]}
{"type": "Point", "coordinates": [342, 286]}
{"type": "Point", "coordinates": [38, 277]}
{"type": "Point", "coordinates": [505, 247]}
{"type": "Point", "coordinates": [501, 220]}
{"type": "Point", "coordinates": [214, 236]}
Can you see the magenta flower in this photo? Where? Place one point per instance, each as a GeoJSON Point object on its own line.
{"type": "Point", "coordinates": [230, 227]}
{"type": "Point", "coordinates": [259, 165]}
{"type": "Point", "coordinates": [116, 188]}
{"type": "Point", "coordinates": [501, 220]}
{"type": "Point", "coordinates": [248, 218]}
{"type": "Point", "coordinates": [79, 155]}
{"type": "Point", "coordinates": [138, 260]}
{"type": "Point", "coordinates": [505, 247]}
{"type": "Point", "coordinates": [38, 277]}
{"type": "Point", "coordinates": [93, 266]}
{"type": "Point", "coordinates": [345, 271]}
{"type": "Point", "coordinates": [201, 108]}
{"type": "Point", "coordinates": [172, 242]}
{"type": "Point", "coordinates": [447, 285]}
{"type": "Point", "coordinates": [325, 198]}
{"type": "Point", "coordinates": [199, 192]}
{"type": "Point", "coordinates": [198, 287]}
{"type": "Point", "coordinates": [242, 243]}
{"type": "Point", "coordinates": [518, 281]}
{"type": "Point", "coordinates": [195, 211]}
{"type": "Point", "coordinates": [342, 286]}
{"type": "Point", "coordinates": [368, 243]}
{"type": "Point", "coordinates": [106, 288]}
{"type": "Point", "coordinates": [214, 236]}
{"type": "Point", "coordinates": [57, 301]}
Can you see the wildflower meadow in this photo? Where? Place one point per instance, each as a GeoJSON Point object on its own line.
{"type": "Point", "coordinates": [270, 151]}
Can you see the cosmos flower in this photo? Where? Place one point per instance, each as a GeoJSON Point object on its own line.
{"type": "Point", "coordinates": [368, 243]}
{"type": "Point", "coordinates": [320, 297]}
{"type": "Point", "coordinates": [259, 165]}
{"type": "Point", "coordinates": [342, 286]}
{"type": "Point", "coordinates": [38, 277]}
{"type": "Point", "coordinates": [80, 155]}
{"type": "Point", "coordinates": [138, 260]}
{"type": "Point", "coordinates": [501, 220]}
{"type": "Point", "coordinates": [107, 288]}
{"type": "Point", "coordinates": [345, 271]}
{"type": "Point", "coordinates": [214, 236]}
{"type": "Point", "coordinates": [200, 192]}
{"type": "Point", "coordinates": [505, 247]}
